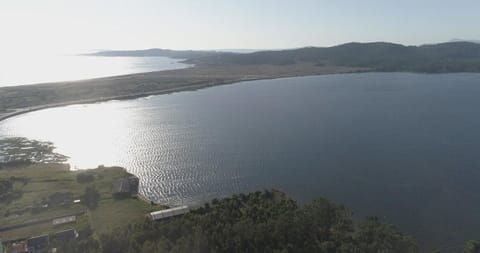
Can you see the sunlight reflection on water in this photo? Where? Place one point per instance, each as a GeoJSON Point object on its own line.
{"type": "Point", "coordinates": [77, 130]}
{"type": "Point", "coordinates": [21, 70]}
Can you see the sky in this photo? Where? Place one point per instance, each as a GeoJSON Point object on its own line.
{"type": "Point", "coordinates": [80, 26]}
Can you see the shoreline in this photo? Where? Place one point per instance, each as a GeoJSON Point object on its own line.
{"type": "Point", "coordinates": [105, 99]}
{"type": "Point", "coordinates": [211, 82]}
{"type": "Point", "coordinates": [122, 97]}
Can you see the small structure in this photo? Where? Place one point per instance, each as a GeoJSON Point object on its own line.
{"type": "Point", "coordinates": [17, 247]}
{"type": "Point", "coordinates": [164, 214]}
{"type": "Point", "coordinates": [126, 187]}
{"type": "Point", "coordinates": [66, 235]}
{"type": "Point", "coordinates": [38, 244]}
{"type": "Point", "coordinates": [64, 220]}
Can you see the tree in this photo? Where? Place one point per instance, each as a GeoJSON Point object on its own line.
{"type": "Point", "coordinates": [259, 222]}
{"type": "Point", "coordinates": [472, 247]}
{"type": "Point", "coordinates": [375, 236]}
{"type": "Point", "coordinates": [85, 177]}
{"type": "Point", "coordinates": [91, 197]}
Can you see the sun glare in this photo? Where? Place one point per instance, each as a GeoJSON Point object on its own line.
{"type": "Point", "coordinates": [76, 131]}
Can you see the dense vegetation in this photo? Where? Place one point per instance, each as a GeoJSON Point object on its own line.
{"type": "Point", "coordinates": [379, 56]}
{"type": "Point", "coordinates": [7, 192]}
{"type": "Point", "coordinates": [258, 222]}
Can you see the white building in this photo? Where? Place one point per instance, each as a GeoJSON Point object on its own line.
{"type": "Point", "coordinates": [163, 214]}
{"type": "Point", "coordinates": [64, 220]}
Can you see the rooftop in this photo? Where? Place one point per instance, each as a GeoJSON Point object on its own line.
{"type": "Point", "coordinates": [158, 215]}
{"type": "Point", "coordinates": [63, 220]}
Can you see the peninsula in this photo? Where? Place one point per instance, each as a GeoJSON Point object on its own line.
{"type": "Point", "coordinates": [217, 68]}
{"type": "Point", "coordinates": [21, 99]}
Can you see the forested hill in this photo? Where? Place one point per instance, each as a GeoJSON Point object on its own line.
{"type": "Point", "coordinates": [446, 57]}
{"type": "Point", "coordinates": [378, 56]}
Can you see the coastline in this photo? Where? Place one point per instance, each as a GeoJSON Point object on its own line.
{"type": "Point", "coordinates": [104, 99]}
{"type": "Point", "coordinates": [188, 83]}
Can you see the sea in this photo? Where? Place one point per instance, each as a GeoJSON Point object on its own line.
{"type": "Point", "coordinates": [401, 146]}
{"type": "Point", "coordinates": [25, 69]}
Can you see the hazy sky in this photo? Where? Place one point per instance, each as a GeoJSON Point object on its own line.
{"type": "Point", "coordinates": [79, 25]}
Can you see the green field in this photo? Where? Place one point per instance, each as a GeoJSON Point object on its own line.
{"type": "Point", "coordinates": [37, 183]}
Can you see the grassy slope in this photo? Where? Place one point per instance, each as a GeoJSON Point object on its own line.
{"type": "Point", "coordinates": [46, 179]}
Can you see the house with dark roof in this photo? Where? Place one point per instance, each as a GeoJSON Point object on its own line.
{"type": "Point", "coordinates": [38, 244]}
{"type": "Point", "coordinates": [125, 187]}
{"type": "Point", "coordinates": [66, 235]}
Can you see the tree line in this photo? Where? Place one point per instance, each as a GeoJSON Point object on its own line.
{"type": "Point", "coordinates": [262, 221]}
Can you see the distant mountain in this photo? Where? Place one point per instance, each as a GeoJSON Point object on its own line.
{"type": "Point", "coordinates": [461, 40]}
{"type": "Point", "coordinates": [178, 54]}
{"type": "Point", "coordinates": [239, 51]}
{"type": "Point", "coordinates": [185, 54]}
{"type": "Point", "coordinates": [377, 56]}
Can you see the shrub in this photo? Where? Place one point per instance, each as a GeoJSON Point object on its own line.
{"type": "Point", "coordinates": [91, 197]}
{"type": "Point", "coordinates": [85, 177]}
